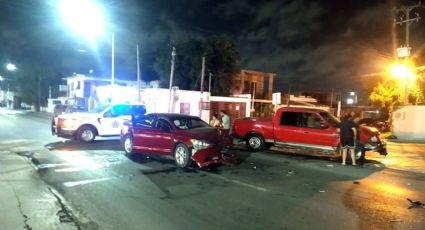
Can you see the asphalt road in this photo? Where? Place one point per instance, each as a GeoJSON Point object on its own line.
{"type": "Point", "coordinates": [102, 188]}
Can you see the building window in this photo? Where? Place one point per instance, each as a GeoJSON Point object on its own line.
{"type": "Point", "coordinates": [185, 108]}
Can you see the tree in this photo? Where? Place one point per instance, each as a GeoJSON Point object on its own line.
{"type": "Point", "coordinates": [391, 93]}
{"type": "Point", "coordinates": [33, 85]}
{"type": "Point", "coordinates": [222, 60]}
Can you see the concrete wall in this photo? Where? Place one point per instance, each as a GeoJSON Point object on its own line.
{"type": "Point", "coordinates": [408, 122]}
{"type": "Point", "coordinates": [157, 101]}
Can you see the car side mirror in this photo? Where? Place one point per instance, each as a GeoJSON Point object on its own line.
{"type": "Point", "coordinates": [324, 126]}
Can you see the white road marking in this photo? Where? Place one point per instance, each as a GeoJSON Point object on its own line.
{"type": "Point", "coordinates": [83, 182]}
{"type": "Point", "coordinates": [239, 183]}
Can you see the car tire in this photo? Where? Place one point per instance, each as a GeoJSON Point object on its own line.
{"type": "Point", "coordinates": [52, 126]}
{"type": "Point", "coordinates": [86, 134]}
{"type": "Point", "coordinates": [359, 154]}
{"type": "Point", "coordinates": [182, 156]}
{"type": "Point", "coordinates": [128, 144]}
{"type": "Point", "coordinates": [255, 142]}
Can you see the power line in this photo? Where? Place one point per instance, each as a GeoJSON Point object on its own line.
{"type": "Point", "coordinates": [406, 10]}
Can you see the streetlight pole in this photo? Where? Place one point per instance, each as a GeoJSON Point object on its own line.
{"type": "Point", "coordinates": [113, 60]}
{"type": "Point", "coordinates": [171, 101]}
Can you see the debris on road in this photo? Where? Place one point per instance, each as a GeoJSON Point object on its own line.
{"type": "Point", "coordinates": [290, 173]}
{"type": "Point", "coordinates": [356, 182]}
{"type": "Point", "coordinates": [415, 204]}
{"type": "Point", "coordinates": [322, 191]}
{"type": "Point", "coordinates": [396, 220]}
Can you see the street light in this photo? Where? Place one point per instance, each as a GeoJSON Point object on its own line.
{"type": "Point", "coordinates": [404, 73]}
{"type": "Point", "coordinates": [83, 17]}
{"type": "Point", "coordinates": [11, 67]}
{"type": "Point", "coordinates": [86, 18]}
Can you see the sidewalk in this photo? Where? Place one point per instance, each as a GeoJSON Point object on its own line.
{"type": "Point", "coordinates": [41, 114]}
{"type": "Point", "coordinates": [26, 202]}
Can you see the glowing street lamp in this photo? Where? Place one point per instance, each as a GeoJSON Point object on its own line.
{"type": "Point", "coordinates": [83, 17]}
{"type": "Point", "coordinates": [11, 67]}
{"type": "Point", "coordinates": [86, 18]}
{"type": "Point", "coordinates": [405, 74]}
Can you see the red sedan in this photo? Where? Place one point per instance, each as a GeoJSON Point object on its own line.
{"type": "Point", "coordinates": [186, 138]}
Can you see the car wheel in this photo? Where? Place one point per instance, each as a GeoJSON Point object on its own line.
{"type": "Point", "coordinates": [255, 142]}
{"type": "Point", "coordinates": [86, 134]}
{"type": "Point", "coordinates": [128, 144]}
{"type": "Point", "coordinates": [182, 156]}
{"type": "Point", "coordinates": [359, 154]}
{"type": "Point", "coordinates": [52, 126]}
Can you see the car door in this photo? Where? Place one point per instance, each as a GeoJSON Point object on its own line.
{"type": "Point", "coordinates": [158, 139]}
{"type": "Point", "coordinates": [316, 131]}
{"type": "Point", "coordinates": [163, 137]}
{"type": "Point", "coordinates": [143, 131]}
{"type": "Point", "coordinates": [288, 130]}
{"type": "Point", "coordinates": [113, 119]}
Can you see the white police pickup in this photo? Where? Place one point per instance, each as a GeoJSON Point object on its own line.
{"type": "Point", "coordinates": [105, 120]}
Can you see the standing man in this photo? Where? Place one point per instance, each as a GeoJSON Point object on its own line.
{"type": "Point", "coordinates": [225, 121]}
{"type": "Point", "coordinates": [347, 135]}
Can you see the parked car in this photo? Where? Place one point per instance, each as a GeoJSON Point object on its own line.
{"type": "Point", "coordinates": [183, 137]}
{"type": "Point", "coordinates": [304, 130]}
{"type": "Point", "coordinates": [105, 120]}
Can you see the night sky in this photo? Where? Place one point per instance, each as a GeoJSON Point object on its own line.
{"type": "Point", "coordinates": [311, 45]}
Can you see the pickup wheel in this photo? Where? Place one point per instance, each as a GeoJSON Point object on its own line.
{"type": "Point", "coordinates": [255, 142]}
{"type": "Point", "coordinates": [86, 134]}
{"type": "Point", "coordinates": [359, 153]}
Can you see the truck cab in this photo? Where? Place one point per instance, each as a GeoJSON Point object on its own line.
{"type": "Point", "coordinates": [304, 130]}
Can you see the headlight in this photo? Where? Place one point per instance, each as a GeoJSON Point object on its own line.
{"type": "Point", "coordinates": [69, 123]}
{"type": "Point", "coordinates": [198, 144]}
{"type": "Point", "coordinates": [374, 139]}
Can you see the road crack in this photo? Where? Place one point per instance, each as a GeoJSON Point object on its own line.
{"type": "Point", "coordinates": [26, 218]}
{"type": "Point", "coordinates": [64, 213]}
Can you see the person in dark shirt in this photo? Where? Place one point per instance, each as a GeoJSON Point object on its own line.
{"type": "Point", "coordinates": [347, 135]}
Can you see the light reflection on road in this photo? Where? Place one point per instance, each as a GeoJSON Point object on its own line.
{"type": "Point", "coordinates": [402, 157]}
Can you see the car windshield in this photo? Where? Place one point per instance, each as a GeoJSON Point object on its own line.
{"type": "Point", "coordinates": [188, 122]}
{"type": "Point", "coordinates": [334, 121]}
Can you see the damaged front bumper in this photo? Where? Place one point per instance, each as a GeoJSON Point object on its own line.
{"type": "Point", "coordinates": [380, 147]}
{"type": "Point", "coordinates": [212, 155]}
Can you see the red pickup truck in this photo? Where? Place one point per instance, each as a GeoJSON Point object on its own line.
{"type": "Point", "coordinates": [305, 130]}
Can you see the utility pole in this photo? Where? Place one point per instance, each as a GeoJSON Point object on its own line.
{"type": "Point", "coordinates": [138, 75]}
{"type": "Point", "coordinates": [171, 100]}
{"type": "Point", "coordinates": [202, 86]}
{"type": "Point", "coordinates": [406, 10]}
{"type": "Point", "coordinates": [404, 52]}
{"type": "Point", "coordinates": [209, 84]}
